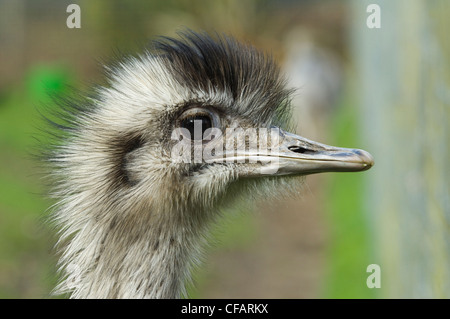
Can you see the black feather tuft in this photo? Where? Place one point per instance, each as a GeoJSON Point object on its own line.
{"type": "Point", "coordinates": [222, 64]}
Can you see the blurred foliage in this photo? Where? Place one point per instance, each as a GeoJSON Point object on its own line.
{"type": "Point", "coordinates": [26, 263]}
{"type": "Point", "coordinates": [350, 250]}
{"type": "Point", "coordinates": [404, 90]}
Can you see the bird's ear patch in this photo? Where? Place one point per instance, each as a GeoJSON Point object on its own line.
{"type": "Point", "coordinates": [124, 148]}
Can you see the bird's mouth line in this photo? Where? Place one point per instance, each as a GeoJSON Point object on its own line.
{"type": "Point", "coordinates": [267, 158]}
{"type": "Point", "coordinates": [322, 161]}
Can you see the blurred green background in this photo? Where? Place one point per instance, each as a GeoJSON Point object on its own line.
{"type": "Point", "coordinates": [318, 246]}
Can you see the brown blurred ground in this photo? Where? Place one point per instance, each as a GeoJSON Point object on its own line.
{"type": "Point", "coordinates": [286, 260]}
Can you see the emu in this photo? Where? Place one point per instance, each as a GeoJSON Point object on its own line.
{"type": "Point", "coordinates": [132, 215]}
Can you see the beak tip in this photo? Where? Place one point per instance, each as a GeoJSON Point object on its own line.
{"type": "Point", "coordinates": [366, 158]}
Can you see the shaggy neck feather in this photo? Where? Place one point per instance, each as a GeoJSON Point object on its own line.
{"type": "Point", "coordinates": [140, 256]}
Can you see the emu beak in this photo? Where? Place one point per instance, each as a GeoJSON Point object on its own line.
{"type": "Point", "coordinates": [297, 155]}
{"type": "Point", "coordinates": [288, 154]}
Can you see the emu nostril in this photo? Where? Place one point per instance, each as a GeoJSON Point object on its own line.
{"type": "Point", "coordinates": [299, 149]}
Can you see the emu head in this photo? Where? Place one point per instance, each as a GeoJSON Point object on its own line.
{"type": "Point", "coordinates": [147, 161]}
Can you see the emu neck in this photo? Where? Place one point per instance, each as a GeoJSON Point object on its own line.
{"type": "Point", "coordinates": [137, 256]}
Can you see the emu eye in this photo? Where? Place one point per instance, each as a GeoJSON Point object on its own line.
{"type": "Point", "coordinates": [197, 121]}
{"type": "Point", "coordinates": [197, 125]}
